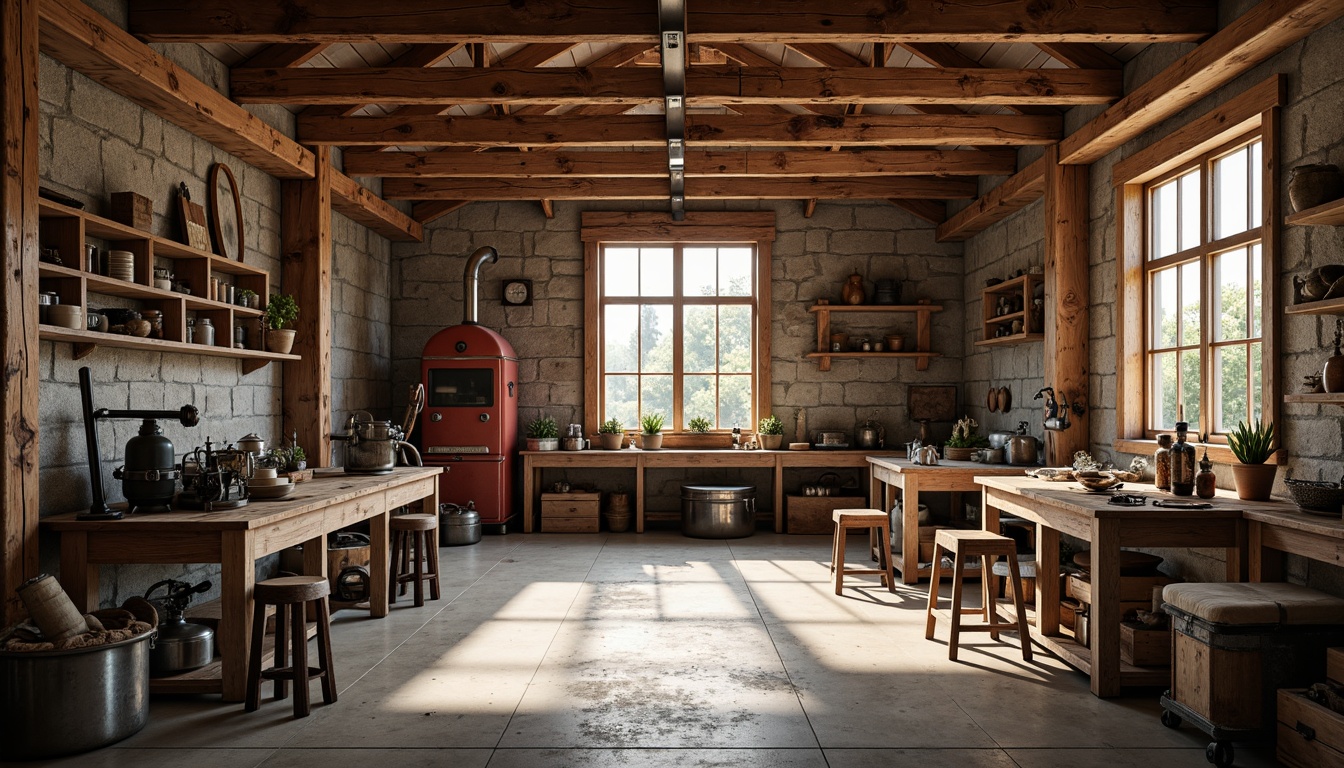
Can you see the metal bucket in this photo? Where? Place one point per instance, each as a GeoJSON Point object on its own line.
{"type": "Point", "coordinates": [56, 703]}
{"type": "Point", "coordinates": [718, 511]}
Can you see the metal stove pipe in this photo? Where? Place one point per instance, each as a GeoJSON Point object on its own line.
{"type": "Point", "coordinates": [471, 281]}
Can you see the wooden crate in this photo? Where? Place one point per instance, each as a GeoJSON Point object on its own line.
{"type": "Point", "coordinates": [571, 512]}
{"type": "Point", "coordinates": [1309, 735]}
{"type": "Point", "coordinates": [132, 210]}
{"type": "Point", "coordinates": [1133, 589]}
{"type": "Point", "coordinates": [812, 514]}
{"type": "Point", "coordinates": [1145, 646]}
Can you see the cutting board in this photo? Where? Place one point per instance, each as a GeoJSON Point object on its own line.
{"type": "Point", "coordinates": [194, 230]}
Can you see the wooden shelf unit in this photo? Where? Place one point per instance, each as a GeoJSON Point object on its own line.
{"type": "Point", "coordinates": [74, 281]}
{"type": "Point", "coordinates": [1331, 213]}
{"type": "Point", "coordinates": [1333, 306]}
{"type": "Point", "coordinates": [923, 330]}
{"type": "Point", "coordinates": [1024, 287]}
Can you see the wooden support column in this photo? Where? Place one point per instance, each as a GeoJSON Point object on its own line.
{"type": "Point", "coordinates": [305, 232]}
{"type": "Point", "coordinates": [1067, 302]}
{"type": "Point", "coordinates": [18, 305]}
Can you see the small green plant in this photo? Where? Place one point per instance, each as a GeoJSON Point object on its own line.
{"type": "Point", "coordinates": [289, 458]}
{"type": "Point", "coordinates": [1252, 444]}
{"type": "Point", "coordinates": [964, 436]}
{"type": "Point", "coordinates": [543, 428]}
{"type": "Point", "coordinates": [281, 311]}
{"type": "Point", "coordinates": [245, 294]}
{"type": "Point", "coordinates": [611, 427]}
{"type": "Point", "coordinates": [770, 426]}
{"type": "Point", "coordinates": [699, 424]}
{"type": "Point", "coordinates": [652, 423]}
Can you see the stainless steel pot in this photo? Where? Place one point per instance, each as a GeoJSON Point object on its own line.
{"type": "Point", "coordinates": [1023, 450]}
{"type": "Point", "coordinates": [458, 526]}
{"type": "Point", "coordinates": [718, 511]}
{"type": "Point", "coordinates": [372, 446]}
{"type": "Point", "coordinates": [181, 646]}
{"type": "Point", "coordinates": [999, 439]}
{"type": "Point", "coordinates": [56, 703]}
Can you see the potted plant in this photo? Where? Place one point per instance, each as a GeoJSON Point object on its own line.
{"type": "Point", "coordinates": [651, 438]}
{"type": "Point", "coordinates": [771, 431]}
{"type": "Point", "coordinates": [699, 425]}
{"type": "Point", "coordinates": [963, 441]}
{"type": "Point", "coordinates": [281, 311]}
{"type": "Point", "coordinates": [543, 434]}
{"type": "Point", "coordinates": [244, 297]}
{"type": "Point", "coordinates": [290, 458]}
{"type": "Point", "coordinates": [611, 435]}
{"type": "Point", "coordinates": [1253, 445]}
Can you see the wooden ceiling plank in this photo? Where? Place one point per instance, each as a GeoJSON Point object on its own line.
{"type": "Point", "coordinates": [617, 57]}
{"type": "Point", "coordinates": [701, 188]}
{"type": "Point", "coordinates": [720, 85]}
{"type": "Point", "coordinates": [944, 55]}
{"type": "Point", "coordinates": [632, 21]}
{"type": "Point", "coordinates": [703, 131]}
{"type": "Point", "coordinates": [932, 211]}
{"type": "Point", "coordinates": [77, 36]}
{"type": "Point", "coordinates": [698, 163]}
{"type": "Point", "coordinates": [1256, 35]}
{"type": "Point", "coordinates": [1081, 55]}
{"type": "Point", "coordinates": [355, 201]}
{"type": "Point", "coordinates": [284, 55]}
{"type": "Point", "coordinates": [1019, 191]}
{"type": "Point", "coordinates": [430, 210]}
{"type": "Point", "coordinates": [426, 55]}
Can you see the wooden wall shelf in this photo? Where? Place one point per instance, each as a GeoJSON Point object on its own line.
{"type": "Point", "coordinates": [1022, 287]}
{"type": "Point", "coordinates": [75, 281]}
{"type": "Point", "coordinates": [1331, 213]}
{"type": "Point", "coordinates": [923, 330]}
{"type": "Point", "coordinates": [1324, 398]}
{"type": "Point", "coordinates": [1333, 306]}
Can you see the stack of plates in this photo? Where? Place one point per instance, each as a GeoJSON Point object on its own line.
{"type": "Point", "coordinates": [261, 487]}
{"type": "Point", "coordinates": [121, 265]}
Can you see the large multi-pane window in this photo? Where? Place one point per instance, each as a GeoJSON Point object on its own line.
{"type": "Point", "coordinates": [678, 330]}
{"type": "Point", "coordinates": [1203, 270]}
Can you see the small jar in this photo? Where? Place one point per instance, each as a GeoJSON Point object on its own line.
{"type": "Point", "coordinates": [879, 346]}
{"type": "Point", "coordinates": [865, 346]}
{"type": "Point", "coordinates": [155, 318]}
{"type": "Point", "coordinates": [1162, 463]}
{"type": "Point", "coordinates": [205, 332]}
{"type": "Point", "coordinates": [1206, 484]}
{"type": "Point", "coordinates": [191, 329]}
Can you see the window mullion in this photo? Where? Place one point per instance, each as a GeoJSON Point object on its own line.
{"type": "Point", "coordinates": [678, 328]}
{"type": "Point", "coordinates": [1206, 319]}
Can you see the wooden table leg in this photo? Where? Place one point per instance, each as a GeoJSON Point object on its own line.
{"type": "Point", "coordinates": [639, 495]}
{"type": "Point", "coordinates": [379, 563]}
{"type": "Point", "coordinates": [1263, 563]}
{"type": "Point", "coordinates": [314, 564]}
{"type": "Point", "coordinates": [531, 479]}
{"type": "Point", "coordinates": [1104, 632]}
{"type": "Point", "coordinates": [237, 578]}
{"type": "Point", "coordinates": [910, 529]}
{"type": "Point", "coordinates": [1237, 556]}
{"type": "Point", "coordinates": [779, 495]}
{"type": "Point", "coordinates": [1047, 580]}
{"type": "Point", "coordinates": [79, 579]}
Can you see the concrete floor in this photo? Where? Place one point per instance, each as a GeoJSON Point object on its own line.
{"type": "Point", "coordinates": [658, 650]}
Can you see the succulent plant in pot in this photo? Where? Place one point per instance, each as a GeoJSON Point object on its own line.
{"type": "Point", "coordinates": [543, 434]}
{"type": "Point", "coordinates": [1253, 445]}
{"type": "Point", "coordinates": [651, 431]}
{"type": "Point", "coordinates": [771, 432]}
{"type": "Point", "coordinates": [611, 434]}
{"type": "Point", "coordinates": [964, 440]}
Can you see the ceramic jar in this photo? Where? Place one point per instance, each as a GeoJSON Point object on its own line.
{"type": "Point", "coordinates": [1311, 185]}
{"type": "Point", "coordinates": [205, 331]}
{"type": "Point", "coordinates": [853, 292]}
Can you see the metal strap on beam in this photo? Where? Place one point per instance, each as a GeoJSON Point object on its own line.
{"type": "Point", "coordinates": [672, 41]}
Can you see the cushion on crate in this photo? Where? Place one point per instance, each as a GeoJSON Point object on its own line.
{"type": "Point", "coordinates": [1255, 603]}
{"type": "Point", "coordinates": [1026, 566]}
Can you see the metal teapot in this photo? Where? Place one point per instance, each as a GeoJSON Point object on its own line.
{"type": "Point", "coordinates": [927, 455]}
{"type": "Point", "coordinates": [870, 434]}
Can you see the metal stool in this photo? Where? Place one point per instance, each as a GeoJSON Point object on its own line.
{"type": "Point", "coordinates": [289, 595]}
{"type": "Point", "coordinates": [985, 545]}
{"type": "Point", "coordinates": [415, 556]}
{"type": "Point", "coordinates": [875, 522]}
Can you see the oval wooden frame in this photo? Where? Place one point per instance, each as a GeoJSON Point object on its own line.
{"type": "Point", "coordinates": [215, 229]}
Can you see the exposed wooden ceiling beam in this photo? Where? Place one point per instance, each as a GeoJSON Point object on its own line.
{"type": "Point", "coordinates": [285, 55]}
{"type": "Point", "coordinates": [1257, 34]}
{"type": "Point", "coordinates": [1020, 190]}
{"type": "Point", "coordinates": [355, 201]}
{"type": "Point", "coordinates": [1081, 55]}
{"type": "Point", "coordinates": [627, 85]}
{"type": "Point", "coordinates": [932, 211]}
{"type": "Point", "coordinates": [426, 55]}
{"type": "Point", "coordinates": [944, 55]}
{"type": "Point", "coordinates": [698, 163]}
{"type": "Point", "coordinates": [701, 188]}
{"type": "Point", "coordinates": [617, 57]}
{"type": "Point", "coordinates": [429, 210]}
{"type": "Point", "coordinates": [636, 21]}
{"type": "Point", "coordinates": [77, 36]}
{"type": "Point", "coordinates": [704, 131]}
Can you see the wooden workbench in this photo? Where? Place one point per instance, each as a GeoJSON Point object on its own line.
{"type": "Point", "coordinates": [235, 539]}
{"type": "Point", "coordinates": [1278, 527]}
{"type": "Point", "coordinates": [1067, 508]}
{"type": "Point", "coordinates": [640, 460]}
{"type": "Point", "coordinates": [887, 473]}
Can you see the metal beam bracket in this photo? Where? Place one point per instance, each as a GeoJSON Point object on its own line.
{"type": "Point", "coordinates": [672, 26]}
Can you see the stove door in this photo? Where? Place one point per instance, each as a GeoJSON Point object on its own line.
{"type": "Point", "coordinates": [484, 480]}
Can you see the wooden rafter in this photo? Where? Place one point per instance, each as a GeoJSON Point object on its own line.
{"type": "Point", "coordinates": [1081, 55]}
{"type": "Point", "coordinates": [358, 203]}
{"type": "Point", "coordinates": [1021, 189]}
{"type": "Point", "coordinates": [864, 188]}
{"type": "Point", "coordinates": [430, 210]}
{"type": "Point", "coordinates": [285, 55]}
{"type": "Point", "coordinates": [632, 21]}
{"type": "Point", "coordinates": [426, 55]}
{"type": "Point", "coordinates": [932, 211]}
{"type": "Point", "coordinates": [944, 55]}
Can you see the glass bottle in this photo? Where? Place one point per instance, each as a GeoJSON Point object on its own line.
{"type": "Point", "coordinates": [1205, 482]}
{"type": "Point", "coordinates": [1182, 458]}
{"type": "Point", "coordinates": [1162, 463]}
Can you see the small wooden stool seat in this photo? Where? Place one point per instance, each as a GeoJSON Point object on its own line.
{"type": "Point", "coordinates": [290, 595]}
{"type": "Point", "coordinates": [988, 547]}
{"type": "Point", "coordinates": [415, 556]}
{"type": "Point", "coordinates": [878, 525]}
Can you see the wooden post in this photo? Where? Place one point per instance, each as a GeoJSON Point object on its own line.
{"type": "Point", "coordinates": [18, 305]}
{"type": "Point", "coordinates": [1066, 324]}
{"type": "Point", "coordinates": [305, 231]}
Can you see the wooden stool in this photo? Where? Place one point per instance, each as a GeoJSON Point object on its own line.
{"type": "Point", "coordinates": [289, 595]}
{"type": "Point", "coordinates": [877, 523]}
{"type": "Point", "coordinates": [415, 556]}
{"type": "Point", "coordinates": [986, 546]}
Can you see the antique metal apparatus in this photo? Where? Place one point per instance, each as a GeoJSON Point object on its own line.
{"type": "Point", "coordinates": [181, 645]}
{"type": "Point", "coordinates": [213, 480]}
{"type": "Point", "coordinates": [1057, 413]}
{"type": "Point", "coordinates": [149, 476]}
{"type": "Point", "coordinates": [470, 422]}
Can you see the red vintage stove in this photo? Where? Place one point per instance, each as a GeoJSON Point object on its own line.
{"type": "Point", "coordinates": [470, 423]}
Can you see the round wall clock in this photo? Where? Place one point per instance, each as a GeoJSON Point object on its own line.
{"type": "Point", "coordinates": [518, 293]}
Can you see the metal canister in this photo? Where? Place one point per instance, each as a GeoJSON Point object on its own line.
{"type": "Point", "coordinates": [459, 526]}
{"type": "Point", "coordinates": [718, 511]}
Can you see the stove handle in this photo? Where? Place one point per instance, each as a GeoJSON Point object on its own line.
{"type": "Point", "coordinates": [484, 417]}
{"type": "Point", "coordinates": [510, 389]}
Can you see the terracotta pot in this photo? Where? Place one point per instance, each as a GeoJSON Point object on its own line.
{"type": "Point", "coordinates": [1254, 481]}
{"type": "Point", "coordinates": [611, 441]}
{"type": "Point", "coordinates": [651, 442]}
{"type": "Point", "coordinates": [957, 454]}
{"type": "Point", "coordinates": [771, 442]}
{"type": "Point", "coordinates": [281, 341]}
{"type": "Point", "coordinates": [1311, 185]}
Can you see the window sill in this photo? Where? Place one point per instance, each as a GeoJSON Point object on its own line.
{"type": "Point", "coordinates": [1219, 454]}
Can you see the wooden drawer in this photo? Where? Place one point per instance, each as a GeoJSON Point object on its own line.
{"type": "Point", "coordinates": [1309, 735]}
{"type": "Point", "coordinates": [1145, 646]}
{"type": "Point", "coordinates": [1133, 589]}
{"type": "Point", "coordinates": [569, 524]}
{"type": "Point", "coordinates": [570, 505]}
{"type": "Point", "coordinates": [812, 514]}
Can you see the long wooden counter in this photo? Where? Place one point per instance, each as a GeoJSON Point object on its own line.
{"type": "Point", "coordinates": [1272, 531]}
{"type": "Point", "coordinates": [235, 539]}
{"type": "Point", "coordinates": [640, 460]}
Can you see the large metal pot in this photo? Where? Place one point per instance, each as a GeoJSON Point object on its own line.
{"type": "Point", "coordinates": [1023, 450]}
{"type": "Point", "coordinates": [56, 703]}
{"type": "Point", "coordinates": [372, 446]}
{"type": "Point", "coordinates": [458, 525]}
{"type": "Point", "coordinates": [181, 645]}
{"type": "Point", "coordinates": [999, 439]}
{"type": "Point", "coordinates": [718, 511]}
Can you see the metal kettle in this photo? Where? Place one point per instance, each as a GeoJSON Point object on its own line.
{"type": "Point", "coordinates": [870, 434]}
{"type": "Point", "coordinates": [181, 645]}
{"type": "Point", "coordinates": [1023, 449]}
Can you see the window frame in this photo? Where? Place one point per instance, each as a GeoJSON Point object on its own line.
{"type": "Point", "coordinates": [643, 230]}
{"type": "Point", "coordinates": [1237, 121]}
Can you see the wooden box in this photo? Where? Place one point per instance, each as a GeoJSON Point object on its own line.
{"type": "Point", "coordinates": [927, 533]}
{"type": "Point", "coordinates": [571, 512]}
{"type": "Point", "coordinates": [1145, 646]}
{"type": "Point", "coordinates": [1309, 735]}
{"type": "Point", "coordinates": [132, 210]}
{"type": "Point", "coordinates": [812, 514]}
{"type": "Point", "coordinates": [1136, 592]}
